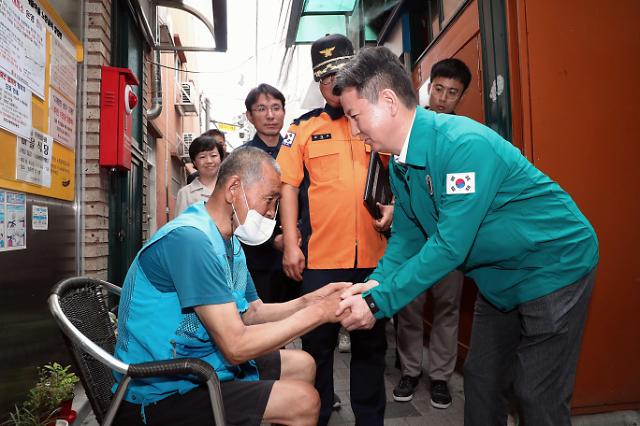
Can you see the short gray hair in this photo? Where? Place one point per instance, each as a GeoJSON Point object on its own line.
{"type": "Point", "coordinates": [246, 162]}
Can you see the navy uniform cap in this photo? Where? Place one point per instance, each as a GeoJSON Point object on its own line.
{"type": "Point", "coordinates": [329, 54]}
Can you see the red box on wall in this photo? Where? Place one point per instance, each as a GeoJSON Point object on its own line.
{"type": "Point", "coordinates": [117, 101]}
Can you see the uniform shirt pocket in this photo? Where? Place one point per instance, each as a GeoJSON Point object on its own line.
{"type": "Point", "coordinates": [324, 161]}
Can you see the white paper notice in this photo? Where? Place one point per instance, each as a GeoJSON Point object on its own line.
{"type": "Point", "coordinates": [15, 105]}
{"type": "Point", "coordinates": [23, 44]}
{"type": "Point", "coordinates": [39, 218]}
{"type": "Point", "coordinates": [33, 159]}
{"type": "Point", "coordinates": [63, 70]}
{"type": "Point", "coordinates": [62, 119]}
{"type": "Point", "coordinates": [13, 220]}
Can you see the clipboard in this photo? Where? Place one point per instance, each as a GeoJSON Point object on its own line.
{"type": "Point", "coordinates": [377, 187]}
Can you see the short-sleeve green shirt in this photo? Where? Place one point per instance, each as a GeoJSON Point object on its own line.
{"type": "Point", "coordinates": [467, 199]}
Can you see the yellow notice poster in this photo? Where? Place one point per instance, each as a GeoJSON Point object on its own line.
{"type": "Point", "coordinates": [38, 55]}
{"type": "Point", "coordinates": [62, 171]}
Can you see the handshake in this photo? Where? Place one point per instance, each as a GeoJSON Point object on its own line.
{"type": "Point", "coordinates": [342, 302]}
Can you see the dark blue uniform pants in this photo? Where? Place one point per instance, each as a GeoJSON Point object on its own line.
{"type": "Point", "coordinates": [367, 355]}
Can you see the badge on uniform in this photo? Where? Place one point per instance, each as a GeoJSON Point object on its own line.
{"type": "Point", "coordinates": [321, 137]}
{"type": "Point", "coordinates": [461, 183]}
{"type": "Point", "coordinates": [288, 139]}
{"type": "Point", "coordinates": [429, 185]}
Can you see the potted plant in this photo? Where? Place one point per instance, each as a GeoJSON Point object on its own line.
{"type": "Point", "coordinates": [49, 400]}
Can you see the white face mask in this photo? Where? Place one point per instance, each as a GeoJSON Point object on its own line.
{"type": "Point", "coordinates": [256, 228]}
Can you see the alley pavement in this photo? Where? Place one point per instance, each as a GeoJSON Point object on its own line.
{"type": "Point", "coordinates": [418, 411]}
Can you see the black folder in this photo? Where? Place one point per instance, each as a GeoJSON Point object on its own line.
{"type": "Point", "coordinates": [377, 188]}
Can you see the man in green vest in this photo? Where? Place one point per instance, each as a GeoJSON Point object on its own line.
{"type": "Point", "coordinates": [488, 212]}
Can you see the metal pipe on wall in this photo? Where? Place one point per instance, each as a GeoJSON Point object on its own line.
{"type": "Point", "coordinates": [156, 88]}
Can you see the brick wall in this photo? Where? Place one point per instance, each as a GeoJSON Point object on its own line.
{"type": "Point", "coordinates": [147, 84]}
{"type": "Point", "coordinates": [95, 201]}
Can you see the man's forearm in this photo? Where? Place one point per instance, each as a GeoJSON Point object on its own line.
{"type": "Point", "coordinates": [256, 340]}
{"type": "Point", "coordinates": [289, 214]}
{"type": "Point", "coordinates": [267, 312]}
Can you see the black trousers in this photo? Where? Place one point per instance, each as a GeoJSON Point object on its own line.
{"type": "Point", "coordinates": [273, 286]}
{"type": "Point", "coordinates": [367, 355]}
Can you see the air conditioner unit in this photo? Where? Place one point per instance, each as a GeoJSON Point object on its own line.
{"type": "Point", "coordinates": [186, 101]}
{"type": "Point", "coordinates": [182, 148]}
{"type": "Point", "coordinates": [187, 138]}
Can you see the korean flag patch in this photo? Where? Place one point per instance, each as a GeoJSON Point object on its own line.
{"type": "Point", "coordinates": [288, 139]}
{"type": "Point", "coordinates": [461, 183]}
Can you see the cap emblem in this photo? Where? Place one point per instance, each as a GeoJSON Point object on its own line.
{"type": "Point", "coordinates": [328, 52]}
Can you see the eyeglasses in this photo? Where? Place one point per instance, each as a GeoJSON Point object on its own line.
{"type": "Point", "coordinates": [262, 109]}
{"type": "Point", "coordinates": [328, 79]}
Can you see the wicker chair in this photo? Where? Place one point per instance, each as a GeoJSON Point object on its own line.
{"type": "Point", "coordinates": [79, 306]}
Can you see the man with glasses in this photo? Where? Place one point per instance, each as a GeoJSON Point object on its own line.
{"type": "Point", "coordinates": [265, 110]}
{"type": "Point", "coordinates": [324, 170]}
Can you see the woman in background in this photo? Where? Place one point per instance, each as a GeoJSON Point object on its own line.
{"type": "Point", "coordinates": [206, 153]}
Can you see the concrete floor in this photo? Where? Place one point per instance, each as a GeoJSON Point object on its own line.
{"type": "Point", "coordinates": [416, 412]}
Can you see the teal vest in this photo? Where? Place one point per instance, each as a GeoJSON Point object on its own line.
{"type": "Point", "coordinates": [152, 326]}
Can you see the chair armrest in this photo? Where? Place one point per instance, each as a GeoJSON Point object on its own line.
{"type": "Point", "coordinates": [172, 367]}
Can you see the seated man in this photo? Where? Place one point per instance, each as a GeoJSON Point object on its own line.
{"type": "Point", "coordinates": [188, 294]}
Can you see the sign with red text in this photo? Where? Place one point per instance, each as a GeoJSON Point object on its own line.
{"type": "Point", "coordinates": [23, 44]}
{"type": "Point", "coordinates": [62, 119]}
{"type": "Point", "coordinates": [15, 105]}
{"type": "Point", "coordinates": [64, 69]}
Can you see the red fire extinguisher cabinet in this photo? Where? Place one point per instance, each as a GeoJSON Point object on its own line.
{"type": "Point", "coordinates": [117, 101]}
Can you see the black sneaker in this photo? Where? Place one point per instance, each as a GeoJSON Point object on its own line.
{"type": "Point", "coordinates": [337, 402]}
{"type": "Point", "coordinates": [440, 396]}
{"type": "Point", "coordinates": [405, 389]}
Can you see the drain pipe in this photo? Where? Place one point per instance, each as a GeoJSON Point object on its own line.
{"type": "Point", "coordinates": [156, 88]}
{"type": "Point", "coordinates": [207, 114]}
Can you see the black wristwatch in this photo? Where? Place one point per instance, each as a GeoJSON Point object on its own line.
{"type": "Point", "coordinates": [371, 304]}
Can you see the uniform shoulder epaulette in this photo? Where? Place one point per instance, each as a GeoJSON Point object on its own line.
{"type": "Point", "coordinates": [308, 115]}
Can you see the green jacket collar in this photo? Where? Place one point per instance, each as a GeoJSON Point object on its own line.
{"type": "Point", "coordinates": [422, 133]}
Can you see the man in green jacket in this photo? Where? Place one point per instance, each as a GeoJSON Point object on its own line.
{"type": "Point", "coordinates": [490, 213]}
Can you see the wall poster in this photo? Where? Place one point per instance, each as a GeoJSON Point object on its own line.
{"type": "Point", "coordinates": [33, 159]}
{"type": "Point", "coordinates": [23, 48]}
{"type": "Point", "coordinates": [39, 218]}
{"type": "Point", "coordinates": [15, 105]}
{"type": "Point", "coordinates": [39, 54]}
{"type": "Point", "coordinates": [62, 119]}
{"type": "Point", "coordinates": [13, 220]}
{"type": "Point", "coordinates": [64, 69]}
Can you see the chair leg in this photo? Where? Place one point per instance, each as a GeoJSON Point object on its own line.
{"type": "Point", "coordinates": [216, 401]}
{"type": "Point", "coordinates": [117, 400]}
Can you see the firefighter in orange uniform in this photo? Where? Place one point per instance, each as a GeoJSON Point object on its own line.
{"type": "Point", "coordinates": [324, 170]}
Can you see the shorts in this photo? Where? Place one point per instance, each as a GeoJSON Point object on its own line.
{"type": "Point", "coordinates": [244, 402]}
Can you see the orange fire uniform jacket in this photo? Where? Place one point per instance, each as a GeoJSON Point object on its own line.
{"type": "Point", "coordinates": [329, 166]}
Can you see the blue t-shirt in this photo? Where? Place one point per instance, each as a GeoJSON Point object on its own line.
{"type": "Point", "coordinates": [183, 261]}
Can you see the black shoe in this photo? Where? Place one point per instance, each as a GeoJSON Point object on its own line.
{"type": "Point", "coordinates": [440, 396]}
{"type": "Point", "coordinates": [337, 402]}
{"type": "Point", "coordinates": [405, 389]}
